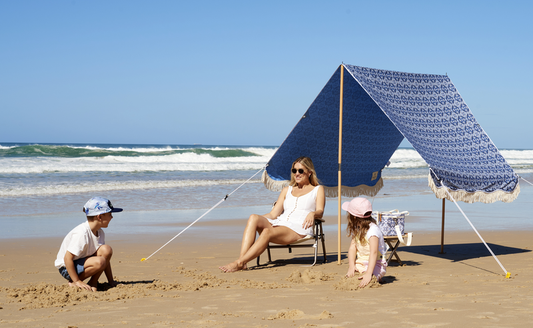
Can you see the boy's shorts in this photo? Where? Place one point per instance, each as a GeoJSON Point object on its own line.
{"type": "Point", "coordinates": [78, 264]}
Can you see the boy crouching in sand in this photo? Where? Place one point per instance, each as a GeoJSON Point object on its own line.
{"type": "Point", "coordinates": [83, 253]}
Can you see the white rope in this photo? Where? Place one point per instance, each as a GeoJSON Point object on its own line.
{"type": "Point", "coordinates": [525, 180]}
{"type": "Point", "coordinates": [507, 273]}
{"type": "Point", "coordinates": [212, 208]}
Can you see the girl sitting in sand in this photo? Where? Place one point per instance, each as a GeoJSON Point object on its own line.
{"type": "Point", "coordinates": [367, 246]}
{"type": "Point", "coordinates": [291, 218]}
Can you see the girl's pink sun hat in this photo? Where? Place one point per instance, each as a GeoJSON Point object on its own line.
{"type": "Point", "coordinates": [358, 207]}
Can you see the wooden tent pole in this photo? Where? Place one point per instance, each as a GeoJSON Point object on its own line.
{"type": "Point", "coordinates": [442, 227]}
{"type": "Point", "coordinates": [339, 185]}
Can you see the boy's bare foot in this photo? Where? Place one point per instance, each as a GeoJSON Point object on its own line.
{"type": "Point", "coordinates": [232, 267]}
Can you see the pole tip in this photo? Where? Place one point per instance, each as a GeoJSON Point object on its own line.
{"type": "Point", "coordinates": [508, 275]}
{"type": "Point", "coordinates": [143, 259]}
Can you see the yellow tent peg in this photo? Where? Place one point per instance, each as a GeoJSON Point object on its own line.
{"type": "Point", "coordinates": [143, 259]}
{"type": "Point", "coordinates": [508, 275]}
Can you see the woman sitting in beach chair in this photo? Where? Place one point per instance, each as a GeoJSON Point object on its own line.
{"type": "Point", "coordinates": [290, 219]}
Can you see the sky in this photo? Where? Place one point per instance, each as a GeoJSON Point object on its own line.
{"type": "Point", "coordinates": [244, 72]}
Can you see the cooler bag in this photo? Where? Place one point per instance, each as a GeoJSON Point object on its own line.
{"type": "Point", "coordinates": [387, 221]}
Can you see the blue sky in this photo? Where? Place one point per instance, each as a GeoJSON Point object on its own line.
{"type": "Point", "coordinates": [243, 72]}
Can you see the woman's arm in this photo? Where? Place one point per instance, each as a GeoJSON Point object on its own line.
{"type": "Point", "coordinates": [373, 257]}
{"type": "Point", "coordinates": [319, 209]}
{"type": "Point", "coordinates": [278, 208]}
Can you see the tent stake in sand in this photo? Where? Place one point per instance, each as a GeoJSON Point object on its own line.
{"type": "Point", "coordinates": [507, 273]}
{"type": "Point", "coordinates": [212, 208]}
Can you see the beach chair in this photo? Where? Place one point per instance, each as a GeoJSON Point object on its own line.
{"type": "Point", "coordinates": [394, 242]}
{"type": "Point", "coordinates": [307, 241]}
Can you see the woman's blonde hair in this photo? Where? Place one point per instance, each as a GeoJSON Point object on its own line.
{"type": "Point", "coordinates": [358, 227]}
{"type": "Point", "coordinates": [308, 164]}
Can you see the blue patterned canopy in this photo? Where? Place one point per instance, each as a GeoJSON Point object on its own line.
{"type": "Point", "coordinates": [380, 108]}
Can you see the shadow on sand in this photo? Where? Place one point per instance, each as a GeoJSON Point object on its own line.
{"type": "Point", "coordinates": [461, 252]}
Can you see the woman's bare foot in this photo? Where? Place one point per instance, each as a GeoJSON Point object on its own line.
{"type": "Point", "coordinates": [232, 267]}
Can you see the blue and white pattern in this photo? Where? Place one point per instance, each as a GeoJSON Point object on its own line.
{"type": "Point", "coordinates": [380, 108]}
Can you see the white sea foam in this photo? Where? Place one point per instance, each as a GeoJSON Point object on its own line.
{"type": "Point", "coordinates": [66, 188]}
{"type": "Point", "coordinates": [175, 162]}
{"type": "Point", "coordinates": [6, 147]}
{"type": "Point", "coordinates": [406, 159]}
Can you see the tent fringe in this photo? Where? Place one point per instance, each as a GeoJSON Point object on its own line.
{"type": "Point", "coordinates": [472, 197]}
{"type": "Point", "coordinates": [271, 184]}
{"type": "Point", "coordinates": [275, 185]}
{"type": "Point", "coordinates": [370, 191]}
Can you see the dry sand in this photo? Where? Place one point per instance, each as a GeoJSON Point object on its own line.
{"type": "Point", "coordinates": [181, 286]}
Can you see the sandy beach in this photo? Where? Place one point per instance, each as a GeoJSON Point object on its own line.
{"type": "Point", "coordinates": [181, 286]}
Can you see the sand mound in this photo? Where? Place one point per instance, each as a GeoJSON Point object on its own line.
{"type": "Point", "coordinates": [353, 283]}
{"type": "Point", "coordinates": [247, 283]}
{"type": "Point", "coordinates": [309, 277]}
{"type": "Point", "coordinates": [47, 295]}
{"type": "Point", "coordinates": [297, 314]}
{"type": "Point", "coordinates": [290, 314]}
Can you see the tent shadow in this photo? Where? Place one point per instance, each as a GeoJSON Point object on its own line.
{"type": "Point", "coordinates": [394, 263]}
{"type": "Point", "coordinates": [288, 259]}
{"type": "Point", "coordinates": [461, 252]}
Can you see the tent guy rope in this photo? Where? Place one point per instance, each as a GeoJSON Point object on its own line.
{"type": "Point", "coordinates": [507, 273]}
{"type": "Point", "coordinates": [212, 208]}
{"type": "Point", "coordinates": [525, 180]}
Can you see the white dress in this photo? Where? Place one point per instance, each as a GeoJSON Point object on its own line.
{"type": "Point", "coordinates": [295, 210]}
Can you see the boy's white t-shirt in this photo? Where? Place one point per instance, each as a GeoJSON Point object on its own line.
{"type": "Point", "coordinates": [81, 242]}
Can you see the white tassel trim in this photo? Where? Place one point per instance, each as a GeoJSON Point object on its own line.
{"type": "Point", "coordinates": [473, 197]}
{"type": "Point", "coordinates": [274, 185]}
{"type": "Point", "coordinates": [271, 184]}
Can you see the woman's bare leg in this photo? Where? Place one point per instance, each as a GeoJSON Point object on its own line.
{"type": "Point", "coordinates": [256, 223]}
{"type": "Point", "coordinates": [278, 235]}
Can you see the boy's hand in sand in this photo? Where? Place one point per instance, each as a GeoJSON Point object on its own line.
{"type": "Point", "coordinates": [365, 279]}
{"type": "Point", "coordinates": [80, 284]}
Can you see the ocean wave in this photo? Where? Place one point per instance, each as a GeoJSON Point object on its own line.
{"type": "Point", "coordinates": [61, 189]}
{"type": "Point", "coordinates": [204, 159]}
{"type": "Point", "coordinates": [42, 159]}
{"type": "Point", "coordinates": [69, 151]}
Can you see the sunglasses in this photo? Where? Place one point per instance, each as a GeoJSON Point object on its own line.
{"type": "Point", "coordinates": [301, 171]}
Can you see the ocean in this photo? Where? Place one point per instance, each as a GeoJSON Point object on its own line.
{"type": "Point", "coordinates": [51, 182]}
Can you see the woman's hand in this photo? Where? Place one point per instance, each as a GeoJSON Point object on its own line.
{"type": "Point", "coordinates": [309, 220]}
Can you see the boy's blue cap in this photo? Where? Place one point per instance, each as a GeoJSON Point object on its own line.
{"type": "Point", "coordinates": [99, 205]}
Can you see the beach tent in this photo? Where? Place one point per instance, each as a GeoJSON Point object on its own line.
{"type": "Point", "coordinates": [360, 117]}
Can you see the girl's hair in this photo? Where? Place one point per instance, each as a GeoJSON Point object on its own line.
{"type": "Point", "coordinates": [358, 227]}
{"type": "Point", "coordinates": [308, 164]}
